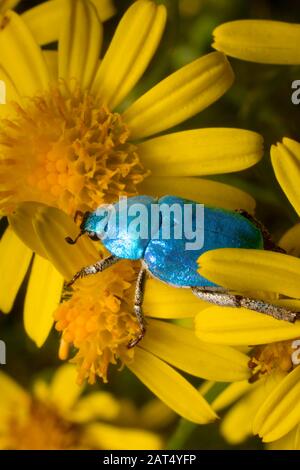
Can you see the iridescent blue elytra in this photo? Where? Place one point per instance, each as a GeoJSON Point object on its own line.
{"type": "Point", "coordinates": [166, 258]}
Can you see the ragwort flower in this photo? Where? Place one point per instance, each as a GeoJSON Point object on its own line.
{"type": "Point", "coordinates": [276, 416]}
{"type": "Point", "coordinates": [274, 401]}
{"type": "Point", "coordinates": [97, 321]}
{"type": "Point", "coordinates": [80, 152]}
{"type": "Point", "coordinates": [54, 417]}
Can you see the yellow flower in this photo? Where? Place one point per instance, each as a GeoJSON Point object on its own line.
{"type": "Point", "coordinates": [248, 409]}
{"type": "Point", "coordinates": [98, 320]}
{"type": "Point", "coordinates": [270, 408]}
{"type": "Point", "coordinates": [80, 152]}
{"type": "Point", "coordinates": [244, 400]}
{"type": "Point", "coordinates": [54, 417]}
{"type": "Point", "coordinates": [262, 41]}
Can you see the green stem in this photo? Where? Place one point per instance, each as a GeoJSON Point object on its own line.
{"type": "Point", "coordinates": [185, 428]}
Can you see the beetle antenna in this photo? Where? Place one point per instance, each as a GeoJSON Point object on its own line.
{"type": "Point", "coordinates": [71, 241]}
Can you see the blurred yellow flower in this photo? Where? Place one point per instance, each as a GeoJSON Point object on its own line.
{"type": "Point", "coordinates": [270, 408]}
{"type": "Point", "coordinates": [45, 19]}
{"type": "Point", "coordinates": [8, 4]}
{"type": "Point", "coordinates": [98, 320]}
{"type": "Point", "coordinates": [54, 417]}
{"type": "Point", "coordinates": [263, 41]}
{"type": "Point", "coordinates": [248, 401]}
{"type": "Point", "coordinates": [80, 152]}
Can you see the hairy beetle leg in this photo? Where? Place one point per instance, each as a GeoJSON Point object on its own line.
{"type": "Point", "coordinates": [224, 299]}
{"type": "Point", "coordinates": [94, 268]}
{"type": "Point", "coordinates": [138, 307]}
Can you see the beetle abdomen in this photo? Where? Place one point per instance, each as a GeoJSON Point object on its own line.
{"type": "Point", "coordinates": [171, 262]}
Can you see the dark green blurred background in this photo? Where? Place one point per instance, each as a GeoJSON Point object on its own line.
{"type": "Point", "coordinates": [260, 100]}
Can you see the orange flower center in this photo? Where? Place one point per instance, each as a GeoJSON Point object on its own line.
{"type": "Point", "coordinates": [66, 150]}
{"type": "Point", "coordinates": [267, 358]}
{"type": "Point", "coordinates": [98, 321]}
{"type": "Point", "coordinates": [42, 428]}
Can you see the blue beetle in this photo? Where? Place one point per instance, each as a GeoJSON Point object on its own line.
{"type": "Point", "coordinates": [167, 259]}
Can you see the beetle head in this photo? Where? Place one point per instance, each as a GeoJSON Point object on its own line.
{"type": "Point", "coordinates": [92, 223]}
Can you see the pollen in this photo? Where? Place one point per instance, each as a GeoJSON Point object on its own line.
{"type": "Point", "coordinates": [98, 321]}
{"type": "Point", "coordinates": [66, 150]}
{"type": "Point", "coordinates": [274, 356]}
{"type": "Point", "coordinates": [42, 428]}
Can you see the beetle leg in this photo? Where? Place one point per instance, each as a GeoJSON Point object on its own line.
{"type": "Point", "coordinates": [269, 244]}
{"type": "Point", "coordinates": [94, 268]}
{"type": "Point", "coordinates": [138, 307]}
{"type": "Point", "coordinates": [225, 299]}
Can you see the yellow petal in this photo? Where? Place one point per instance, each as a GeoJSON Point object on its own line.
{"type": "Point", "coordinates": [164, 301]}
{"type": "Point", "coordinates": [44, 20]}
{"type": "Point", "coordinates": [180, 96]}
{"type": "Point", "coordinates": [280, 412]}
{"type": "Point", "coordinates": [236, 426]}
{"type": "Point", "coordinates": [171, 387]}
{"type": "Point", "coordinates": [263, 41]}
{"type": "Point", "coordinates": [21, 222]}
{"type": "Point", "coordinates": [290, 241]}
{"type": "Point", "coordinates": [201, 152]}
{"type": "Point", "coordinates": [105, 8]}
{"type": "Point", "coordinates": [26, 66]}
{"type": "Point", "coordinates": [63, 389]}
{"type": "Point", "coordinates": [52, 226]}
{"type": "Point", "coordinates": [290, 441]}
{"type": "Point", "coordinates": [51, 59]}
{"type": "Point", "coordinates": [200, 190]}
{"type": "Point", "coordinates": [239, 326]}
{"type": "Point", "coordinates": [79, 43]}
{"type": "Point", "coordinates": [10, 94]}
{"type": "Point", "coordinates": [105, 436]}
{"type": "Point", "coordinates": [130, 51]}
{"type": "Point", "coordinates": [285, 158]}
{"type": "Point", "coordinates": [14, 261]}
{"type": "Point", "coordinates": [231, 393]}
{"type": "Point", "coordinates": [96, 405]}
{"type": "Point", "coordinates": [253, 270]}
{"type": "Point", "coordinates": [156, 415]}
{"type": "Point", "coordinates": [8, 5]}
{"type": "Point", "coordinates": [42, 298]}
{"type": "Point", "coordinates": [206, 387]}
{"type": "Point", "coordinates": [12, 396]}
{"type": "Point", "coordinates": [179, 347]}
